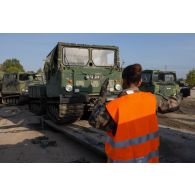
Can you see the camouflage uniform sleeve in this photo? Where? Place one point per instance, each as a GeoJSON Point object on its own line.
{"type": "Point", "coordinates": [101, 119]}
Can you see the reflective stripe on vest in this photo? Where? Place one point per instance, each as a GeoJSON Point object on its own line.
{"type": "Point", "coordinates": [143, 159]}
{"type": "Point", "coordinates": [131, 142]}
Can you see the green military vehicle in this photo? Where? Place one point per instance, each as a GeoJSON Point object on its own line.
{"type": "Point", "coordinates": [1, 79]}
{"type": "Point", "coordinates": [163, 85]}
{"type": "Point", "coordinates": [74, 76]}
{"type": "Point", "coordinates": [15, 87]}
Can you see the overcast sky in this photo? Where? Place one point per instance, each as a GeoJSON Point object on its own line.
{"type": "Point", "coordinates": [153, 51]}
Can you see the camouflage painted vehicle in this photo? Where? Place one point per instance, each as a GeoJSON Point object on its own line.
{"type": "Point", "coordinates": [74, 76]}
{"type": "Point", "coordinates": [184, 88]}
{"type": "Point", "coordinates": [163, 85]}
{"type": "Point", "coordinates": [15, 87]}
{"type": "Point", "coordinates": [37, 98]}
{"type": "Point", "coordinates": [1, 79]}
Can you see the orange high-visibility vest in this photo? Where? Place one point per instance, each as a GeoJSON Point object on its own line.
{"type": "Point", "coordinates": [136, 138]}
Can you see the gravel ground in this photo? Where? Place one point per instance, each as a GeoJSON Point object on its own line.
{"type": "Point", "coordinates": [19, 142]}
{"type": "Point", "coordinates": [184, 118]}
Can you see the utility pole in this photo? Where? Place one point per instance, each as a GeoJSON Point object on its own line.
{"type": "Point", "coordinates": [123, 63]}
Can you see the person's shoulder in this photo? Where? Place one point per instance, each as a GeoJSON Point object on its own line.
{"type": "Point", "coordinates": [148, 95]}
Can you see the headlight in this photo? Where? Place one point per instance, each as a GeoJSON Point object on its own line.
{"type": "Point", "coordinates": [118, 87]}
{"type": "Point", "coordinates": [68, 88]}
{"type": "Point", "coordinates": [23, 90]}
{"type": "Point", "coordinates": [26, 90]}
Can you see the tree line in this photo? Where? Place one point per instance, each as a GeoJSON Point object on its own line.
{"type": "Point", "coordinates": [14, 65]}
{"type": "Point", "coordinates": [190, 78]}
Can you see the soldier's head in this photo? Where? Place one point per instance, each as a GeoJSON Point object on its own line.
{"type": "Point", "coordinates": [132, 76]}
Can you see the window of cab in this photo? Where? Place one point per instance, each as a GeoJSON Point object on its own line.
{"type": "Point", "coordinates": [103, 57]}
{"type": "Point", "coordinates": [74, 56]}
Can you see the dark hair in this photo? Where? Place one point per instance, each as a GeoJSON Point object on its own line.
{"type": "Point", "coordinates": [132, 74]}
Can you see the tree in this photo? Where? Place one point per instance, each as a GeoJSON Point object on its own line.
{"type": "Point", "coordinates": [12, 65]}
{"type": "Point", "coordinates": [39, 71]}
{"type": "Point", "coordinates": [190, 78]}
{"type": "Point", "coordinates": [1, 67]}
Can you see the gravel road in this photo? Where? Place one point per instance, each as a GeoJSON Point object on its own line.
{"type": "Point", "coordinates": [184, 118]}
{"type": "Point", "coordinates": [20, 132]}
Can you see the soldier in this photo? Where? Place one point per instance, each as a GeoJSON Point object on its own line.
{"type": "Point", "coordinates": [130, 121]}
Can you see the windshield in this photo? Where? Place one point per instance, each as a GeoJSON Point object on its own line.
{"type": "Point", "coordinates": [38, 78]}
{"type": "Point", "coordinates": [75, 56]}
{"type": "Point", "coordinates": [167, 77]}
{"type": "Point", "coordinates": [103, 57]}
{"type": "Point", "coordinates": [25, 77]}
{"type": "Point", "coordinates": [155, 77]}
{"type": "Point", "coordinates": [146, 77]}
{"type": "Point", "coordinates": [30, 77]}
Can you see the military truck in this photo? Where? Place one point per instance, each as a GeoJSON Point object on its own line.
{"type": "Point", "coordinates": [15, 87]}
{"type": "Point", "coordinates": [74, 75]}
{"type": "Point", "coordinates": [163, 85]}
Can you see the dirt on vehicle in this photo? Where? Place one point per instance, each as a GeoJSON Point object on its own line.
{"type": "Point", "coordinates": [184, 118]}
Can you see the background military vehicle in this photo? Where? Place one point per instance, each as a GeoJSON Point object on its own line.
{"type": "Point", "coordinates": [1, 79]}
{"type": "Point", "coordinates": [15, 86]}
{"type": "Point", "coordinates": [163, 85]}
{"type": "Point", "coordinates": [74, 76]}
{"type": "Point", "coordinates": [184, 88]}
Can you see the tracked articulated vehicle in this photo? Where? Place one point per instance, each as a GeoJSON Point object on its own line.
{"type": "Point", "coordinates": [1, 80]}
{"type": "Point", "coordinates": [74, 76]}
{"type": "Point", "coordinates": [15, 87]}
{"type": "Point", "coordinates": [163, 85]}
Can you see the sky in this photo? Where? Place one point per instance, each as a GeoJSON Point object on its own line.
{"type": "Point", "coordinates": [153, 51]}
